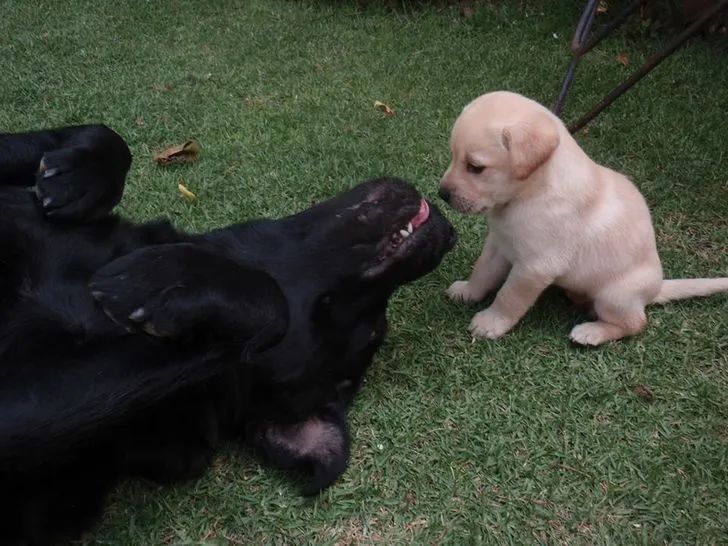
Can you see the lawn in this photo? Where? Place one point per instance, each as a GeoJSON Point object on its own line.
{"type": "Point", "coordinates": [523, 440]}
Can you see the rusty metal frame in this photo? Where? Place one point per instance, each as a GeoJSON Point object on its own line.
{"type": "Point", "coordinates": [581, 44]}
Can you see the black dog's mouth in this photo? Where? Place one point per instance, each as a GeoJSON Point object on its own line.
{"type": "Point", "coordinates": [383, 226]}
{"type": "Point", "coordinates": [403, 237]}
{"type": "Point", "coordinates": [415, 246]}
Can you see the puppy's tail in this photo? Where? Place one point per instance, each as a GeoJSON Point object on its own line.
{"type": "Point", "coordinates": [678, 289]}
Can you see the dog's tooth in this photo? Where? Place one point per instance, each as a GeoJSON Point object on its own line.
{"type": "Point", "coordinates": [404, 233]}
{"type": "Point", "coordinates": [409, 227]}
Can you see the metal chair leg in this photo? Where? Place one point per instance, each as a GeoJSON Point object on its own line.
{"type": "Point", "coordinates": [580, 46]}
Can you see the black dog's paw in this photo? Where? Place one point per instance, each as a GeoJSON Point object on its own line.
{"type": "Point", "coordinates": [71, 186]}
{"type": "Point", "coordinates": [84, 179]}
{"type": "Point", "coordinates": [138, 291]}
{"type": "Point", "coordinates": [181, 289]}
{"type": "Point", "coordinates": [152, 289]}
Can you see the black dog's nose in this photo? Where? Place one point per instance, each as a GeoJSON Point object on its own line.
{"type": "Point", "coordinates": [444, 195]}
{"type": "Point", "coordinates": [453, 238]}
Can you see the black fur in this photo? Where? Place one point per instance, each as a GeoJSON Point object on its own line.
{"type": "Point", "coordinates": [133, 350]}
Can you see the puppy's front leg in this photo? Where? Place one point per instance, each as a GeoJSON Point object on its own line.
{"type": "Point", "coordinates": [520, 291]}
{"type": "Point", "coordinates": [490, 269]}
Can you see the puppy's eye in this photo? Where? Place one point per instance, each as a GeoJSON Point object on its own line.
{"type": "Point", "coordinates": [475, 169]}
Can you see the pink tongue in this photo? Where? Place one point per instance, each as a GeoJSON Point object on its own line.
{"type": "Point", "coordinates": [422, 215]}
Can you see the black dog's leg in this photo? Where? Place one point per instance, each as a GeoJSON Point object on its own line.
{"type": "Point", "coordinates": [78, 172]}
{"type": "Point", "coordinates": [20, 155]}
{"type": "Point", "coordinates": [197, 297]}
{"type": "Point", "coordinates": [185, 291]}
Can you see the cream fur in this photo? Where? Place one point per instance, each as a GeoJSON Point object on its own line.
{"type": "Point", "coordinates": [555, 217]}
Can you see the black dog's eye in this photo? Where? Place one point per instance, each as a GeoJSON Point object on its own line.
{"type": "Point", "coordinates": [322, 307]}
{"type": "Point", "coordinates": [475, 169]}
{"type": "Point", "coordinates": [325, 307]}
{"type": "Point", "coordinates": [369, 212]}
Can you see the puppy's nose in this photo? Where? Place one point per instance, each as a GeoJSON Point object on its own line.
{"type": "Point", "coordinates": [444, 194]}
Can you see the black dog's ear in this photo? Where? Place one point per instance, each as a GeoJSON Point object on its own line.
{"type": "Point", "coordinates": [319, 444]}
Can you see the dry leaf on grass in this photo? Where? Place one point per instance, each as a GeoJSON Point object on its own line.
{"type": "Point", "coordinates": [644, 392]}
{"type": "Point", "coordinates": [384, 108]}
{"type": "Point", "coordinates": [411, 498]}
{"type": "Point", "coordinates": [183, 153]}
{"type": "Point", "coordinates": [602, 7]}
{"type": "Point", "coordinates": [622, 59]}
{"type": "Point", "coordinates": [184, 192]}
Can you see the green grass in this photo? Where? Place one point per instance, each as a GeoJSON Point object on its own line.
{"type": "Point", "coordinates": [522, 440]}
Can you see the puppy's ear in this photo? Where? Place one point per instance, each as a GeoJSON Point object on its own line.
{"type": "Point", "coordinates": [319, 444]}
{"type": "Point", "coordinates": [530, 143]}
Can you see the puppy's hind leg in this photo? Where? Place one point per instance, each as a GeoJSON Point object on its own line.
{"type": "Point", "coordinates": [617, 318]}
{"type": "Point", "coordinates": [620, 307]}
{"type": "Point", "coordinates": [490, 269]}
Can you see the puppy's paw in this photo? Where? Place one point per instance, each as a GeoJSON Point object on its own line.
{"type": "Point", "coordinates": [490, 325]}
{"type": "Point", "coordinates": [461, 291]}
{"type": "Point", "coordinates": [589, 333]}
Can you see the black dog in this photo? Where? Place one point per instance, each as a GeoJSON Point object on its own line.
{"type": "Point", "coordinates": [133, 350]}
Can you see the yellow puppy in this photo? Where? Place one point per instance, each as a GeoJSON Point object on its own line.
{"type": "Point", "coordinates": [555, 217]}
